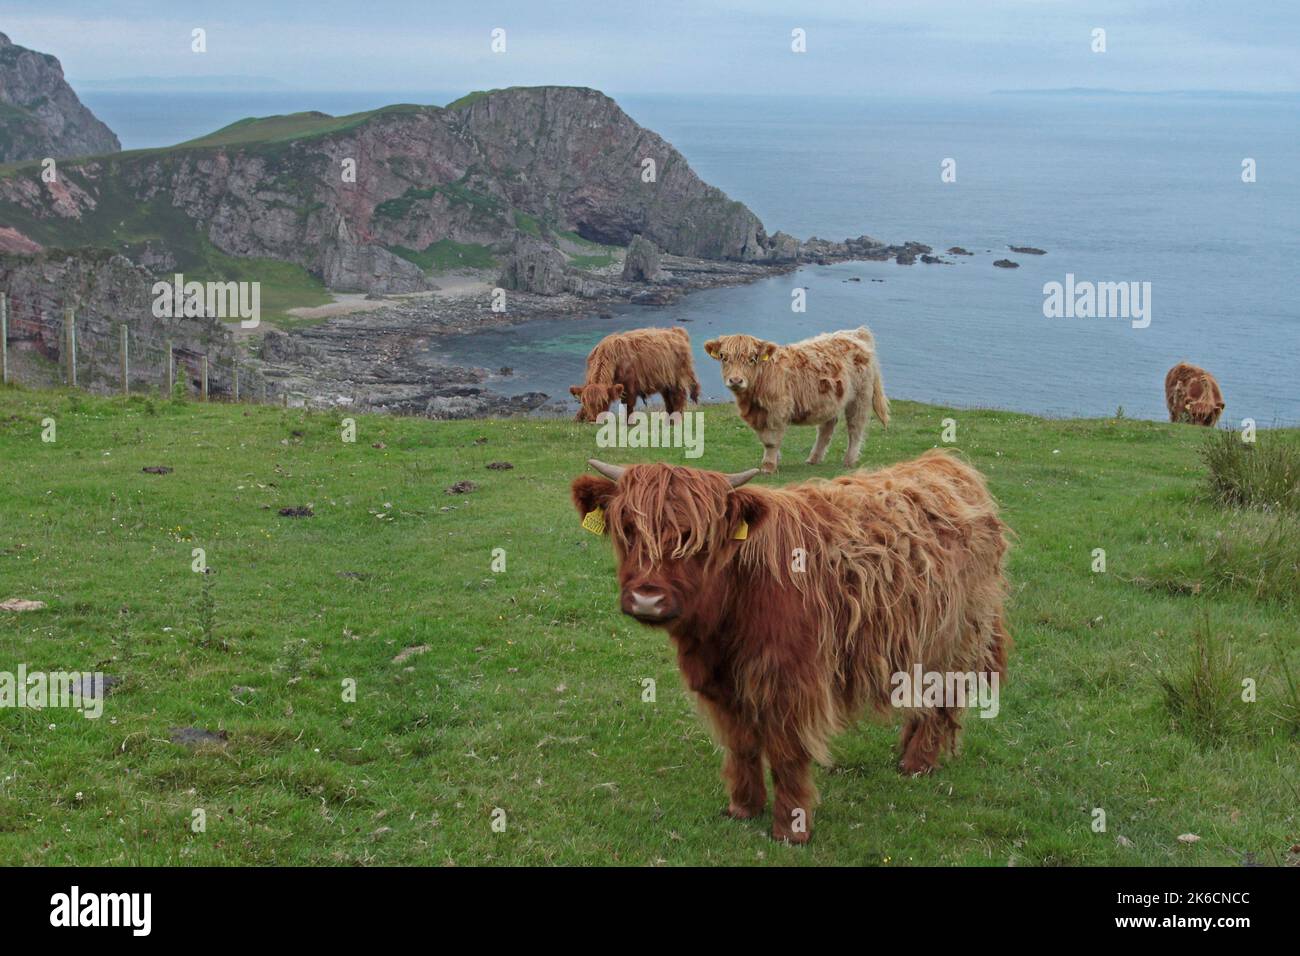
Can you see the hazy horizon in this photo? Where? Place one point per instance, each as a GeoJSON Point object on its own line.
{"type": "Point", "coordinates": [944, 47]}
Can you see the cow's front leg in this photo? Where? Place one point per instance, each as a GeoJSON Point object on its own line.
{"type": "Point", "coordinates": [771, 439]}
{"type": "Point", "coordinates": [792, 807]}
{"type": "Point", "coordinates": [742, 768]}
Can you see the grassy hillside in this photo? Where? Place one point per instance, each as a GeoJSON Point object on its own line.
{"type": "Point", "coordinates": [524, 689]}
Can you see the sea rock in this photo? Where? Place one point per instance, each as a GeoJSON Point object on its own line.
{"type": "Point", "coordinates": [784, 248]}
{"type": "Point", "coordinates": [1028, 250]}
{"type": "Point", "coordinates": [536, 266]}
{"type": "Point", "coordinates": [959, 251]}
{"type": "Point", "coordinates": [642, 261]}
{"type": "Point", "coordinates": [1006, 264]}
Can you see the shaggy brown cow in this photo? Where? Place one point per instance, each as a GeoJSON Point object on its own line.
{"type": "Point", "coordinates": [1192, 395]}
{"type": "Point", "coordinates": [636, 364]}
{"type": "Point", "coordinates": [900, 567]}
{"type": "Point", "coordinates": [807, 383]}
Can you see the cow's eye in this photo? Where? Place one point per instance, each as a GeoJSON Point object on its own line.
{"type": "Point", "coordinates": [723, 356]}
{"type": "Point", "coordinates": [753, 360]}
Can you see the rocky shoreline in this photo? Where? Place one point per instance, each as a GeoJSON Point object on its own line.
{"type": "Point", "coordinates": [379, 359]}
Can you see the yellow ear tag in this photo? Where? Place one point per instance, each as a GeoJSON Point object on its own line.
{"type": "Point", "coordinates": [742, 531]}
{"type": "Point", "coordinates": [766, 357]}
{"type": "Point", "coordinates": [594, 521]}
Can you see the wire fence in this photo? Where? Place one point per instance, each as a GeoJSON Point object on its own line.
{"type": "Point", "coordinates": [98, 353]}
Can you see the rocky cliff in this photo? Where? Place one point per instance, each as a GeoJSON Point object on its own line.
{"type": "Point", "coordinates": [40, 115]}
{"type": "Point", "coordinates": [376, 201]}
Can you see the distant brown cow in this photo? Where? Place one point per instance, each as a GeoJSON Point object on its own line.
{"type": "Point", "coordinates": [1192, 395]}
{"type": "Point", "coordinates": [807, 383]}
{"type": "Point", "coordinates": [901, 568]}
{"type": "Point", "coordinates": [626, 366]}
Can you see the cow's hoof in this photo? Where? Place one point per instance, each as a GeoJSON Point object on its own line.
{"type": "Point", "coordinates": [768, 467]}
{"type": "Point", "coordinates": [737, 812]}
{"type": "Point", "coordinates": [914, 766]}
{"type": "Point", "coordinates": [785, 835]}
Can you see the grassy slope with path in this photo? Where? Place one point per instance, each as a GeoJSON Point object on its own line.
{"type": "Point", "coordinates": [529, 696]}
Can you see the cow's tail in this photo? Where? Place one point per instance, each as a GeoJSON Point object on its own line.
{"type": "Point", "coordinates": [879, 403]}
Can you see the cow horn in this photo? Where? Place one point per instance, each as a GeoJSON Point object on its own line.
{"type": "Point", "coordinates": [740, 477]}
{"type": "Point", "coordinates": [612, 472]}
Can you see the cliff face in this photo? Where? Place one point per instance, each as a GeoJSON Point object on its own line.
{"type": "Point", "coordinates": [558, 164]}
{"type": "Point", "coordinates": [40, 115]}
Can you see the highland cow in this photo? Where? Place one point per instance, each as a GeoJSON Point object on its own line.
{"type": "Point", "coordinates": [794, 609]}
{"type": "Point", "coordinates": [1192, 395]}
{"type": "Point", "coordinates": [808, 383]}
{"type": "Point", "coordinates": [626, 366]}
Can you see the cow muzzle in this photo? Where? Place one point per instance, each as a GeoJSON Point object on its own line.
{"type": "Point", "coordinates": [649, 604]}
{"type": "Point", "coordinates": [736, 384]}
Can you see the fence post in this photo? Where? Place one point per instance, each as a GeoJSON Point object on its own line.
{"type": "Point", "coordinates": [204, 367]}
{"type": "Point", "coordinates": [4, 335]}
{"type": "Point", "coordinates": [171, 369]}
{"type": "Point", "coordinates": [126, 387]}
{"type": "Point", "coordinates": [236, 381]}
{"type": "Point", "coordinates": [70, 344]}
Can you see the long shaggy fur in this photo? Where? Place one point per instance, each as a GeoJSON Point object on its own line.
{"type": "Point", "coordinates": [637, 364]}
{"type": "Point", "coordinates": [904, 566]}
{"type": "Point", "coordinates": [1192, 395]}
{"type": "Point", "coordinates": [808, 383]}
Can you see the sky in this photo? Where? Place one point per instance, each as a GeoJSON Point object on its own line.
{"type": "Point", "coordinates": [854, 47]}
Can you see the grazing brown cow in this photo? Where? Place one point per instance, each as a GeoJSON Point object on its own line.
{"type": "Point", "coordinates": [1192, 395]}
{"type": "Point", "coordinates": [794, 609]}
{"type": "Point", "coordinates": [630, 365]}
{"type": "Point", "coordinates": [807, 383]}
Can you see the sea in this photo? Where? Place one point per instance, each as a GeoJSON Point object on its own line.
{"type": "Point", "coordinates": [1193, 197]}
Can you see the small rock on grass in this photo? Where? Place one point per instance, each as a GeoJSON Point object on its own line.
{"type": "Point", "coordinates": [499, 465]}
{"type": "Point", "coordinates": [462, 487]}
{"type": "Point", "coordinates": [157, 469]}
{"type": "Point", "coordinates": [302, 511]}
{"type": "Point", "coordinates": [19, 604]}
{"type": "Point", "coordinates": [193, 736]}
{"type": "Point", "coordinates": [96, 686]}
{"type": "Point", "coordinates": [411, 652]}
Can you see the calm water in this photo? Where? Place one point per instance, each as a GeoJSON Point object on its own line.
{"type": "Point", "coordinates": [1114, 188]}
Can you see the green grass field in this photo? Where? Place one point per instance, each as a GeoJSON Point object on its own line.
{"type": "Point", "coordinates": [527, 694]}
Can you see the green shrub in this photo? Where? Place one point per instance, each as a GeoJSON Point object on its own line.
{"type": "Point", "coordinates": [1262, 474]}
{"type": "Point", "coordinates": [1203, 695]}
{"type": "Point", "coordinates": [1259, 554]}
